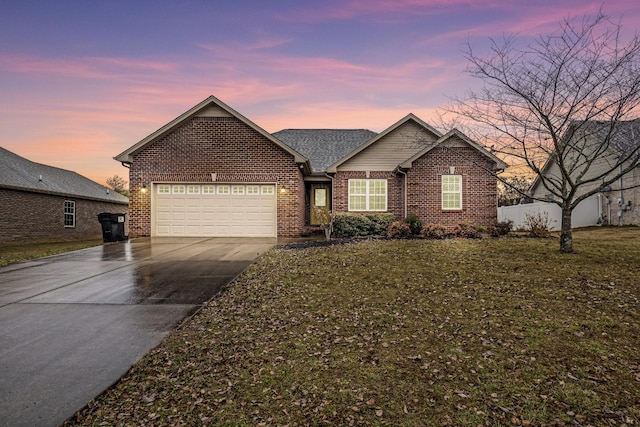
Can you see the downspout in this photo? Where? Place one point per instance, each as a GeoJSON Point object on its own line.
{"type": "Point", "coordinates": [331, 178]}
{"type": "Point", "coordinates": [404, 191]}
{"type": "Point", "coordinates": [621, 205]}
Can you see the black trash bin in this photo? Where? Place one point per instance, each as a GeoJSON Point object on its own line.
{"type": "Point", "coordinates": [112, 226]}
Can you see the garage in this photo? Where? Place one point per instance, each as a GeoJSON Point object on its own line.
{"type": "Point", "coordinates": [214, 210]}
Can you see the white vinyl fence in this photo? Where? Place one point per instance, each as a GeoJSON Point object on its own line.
{"type": "Point", "coordinates": [586, 213]}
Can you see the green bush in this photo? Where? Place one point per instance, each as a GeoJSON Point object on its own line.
{"type": "Point", "coordinates": [355, 225]}
{"type": "Point", "coordinates": [399, 230]}
{"type": "Point", "coordinates": [415, 225]}
{"type": "Point", "coordinates": [433, 231]}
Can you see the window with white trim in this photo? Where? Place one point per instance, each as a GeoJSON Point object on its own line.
{"type": "Point", "coordinates": [193, 189]}
{"type": "Point", "coordinates": [267, 189]}
{"type": "Point", "coordinates": [164, 189]}
{"type": "Point", "coordinates": [179, 189]}
{"type": "Point", "coordinates": [208, 189]}
{"type": "Point", "coordinates": [69, 214]}
{"type": "Point", "coordinates": [451, 192]}
{"type": "Point", "coordinates": [368, 195]}
{"type": "Point", "coordinates": [223, 189]}
{"type": "Point", "coordinates": [253, 189]}
{"type": "Point", "coordinates": [237, 189]}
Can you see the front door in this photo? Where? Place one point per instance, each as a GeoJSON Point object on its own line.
{"type": "Point", "coordinates": [319, 200]}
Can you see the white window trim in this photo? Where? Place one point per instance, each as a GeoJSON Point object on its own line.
{"type": "Point", "coordinates": [458, 193]}
{"type": "Point", "coordinates": [368, 195]}
{"type": "Point", "coordinates": [72, 213]}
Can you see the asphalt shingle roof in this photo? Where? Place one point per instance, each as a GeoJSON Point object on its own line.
{"type": "Point", "coordinates": [625, 137]}
{"type": "Point", "coordinates": [323, 147]}
{"type": "Point", "coordinates": [21, 174]}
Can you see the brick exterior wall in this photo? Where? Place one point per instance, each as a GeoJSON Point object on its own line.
{"type": "Point", "coordinates": [395, 204]}
{"type": "Point", "coordinates": [227, 147]}
{"type": "Point", "coordinates": [424, 187]}
{"type": "Point", "coordinates": [27, 217]}
{"type": "Point", "coordinates": [479, 187]}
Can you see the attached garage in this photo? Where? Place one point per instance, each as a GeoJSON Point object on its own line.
{"type": "Point", "coordinates": [213, 210]}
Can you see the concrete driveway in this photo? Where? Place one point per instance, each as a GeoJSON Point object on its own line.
{"type": "Point", "coordinates": [71, 325]}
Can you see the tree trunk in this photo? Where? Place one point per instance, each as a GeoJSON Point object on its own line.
{"type": "Point", "coordinates": [566, 238]}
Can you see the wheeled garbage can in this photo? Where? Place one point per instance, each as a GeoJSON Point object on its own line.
{"type": "Point", "coordinates": [112, 226]}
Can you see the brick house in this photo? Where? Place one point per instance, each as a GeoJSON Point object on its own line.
{"type": "Point", "coordinates": [213, 172]}
{"type": "Point", "coordinates": [40, 203]}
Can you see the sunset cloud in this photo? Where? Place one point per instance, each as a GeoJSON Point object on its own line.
{"type": "Point", "coordinates": [84, 87]}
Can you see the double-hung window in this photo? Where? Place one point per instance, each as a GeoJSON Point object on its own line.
{"type": "Point", "coordinates": [451, 192]}
{"type": "Point", "coordinates": [367, 194]}
{"type": "Point", "coordinates": [69, 214]}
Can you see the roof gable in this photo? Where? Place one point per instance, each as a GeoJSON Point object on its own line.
{"type": "Point", "coordinates": [623, 138]}
{"type": "Point", "coordinates": [452, 136]}
{"type": "Point", "coordinates": [210, 107]}
{"type": "Point", "coordinates": [408, 118]}
{"type": "Point", "coordinates": [324, 146]}
{"type": "Point", "coordinates": [19, 173]}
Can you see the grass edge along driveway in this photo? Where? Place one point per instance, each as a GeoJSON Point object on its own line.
{"type": "Point", "coordinates": [451, 332]}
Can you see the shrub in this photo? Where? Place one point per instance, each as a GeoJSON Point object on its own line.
{"type": "Point", "coordinates": [537, 224]}
{"type": "Point", "coordinates": [380, 222]}
{"type": "Point", "coordinates": [466, 230]}
{"type": "Point", "coordinates": [433, 231]}
{"type": "Point", "coordinates": [415, 225]}
{"type": "Point", "coordinates": [501, 228]}
{"type": "Point", "coordinates": [355, 225]}
{"type": "Point", "coordinates": [398, 230]}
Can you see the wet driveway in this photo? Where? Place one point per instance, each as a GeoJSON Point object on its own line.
{"type": "Point", "coordinates": [71, 325]}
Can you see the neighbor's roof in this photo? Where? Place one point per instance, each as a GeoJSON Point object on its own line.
{"type": "Point", "coordinates": [18, 173]}
{"type": "Point", "coordinates": [625, 136]}
{"type": "Point", "coordinates": [324, 147]}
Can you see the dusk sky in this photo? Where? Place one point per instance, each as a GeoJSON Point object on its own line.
{"type": "Point", "coordinates": [81, 81]}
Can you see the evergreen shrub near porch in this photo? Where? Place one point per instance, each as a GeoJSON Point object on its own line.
{"type": "Point", "coordinates": [358, 224]}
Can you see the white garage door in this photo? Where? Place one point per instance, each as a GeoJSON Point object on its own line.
{"type": "Point", "coordinates": [211, 210]}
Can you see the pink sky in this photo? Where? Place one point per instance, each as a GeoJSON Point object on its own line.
{"type": "Point", "coordinates": [81, 82]}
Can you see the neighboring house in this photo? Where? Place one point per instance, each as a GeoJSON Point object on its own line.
{"type": "Point", "coordinates": [43, 203]}
{"type": "Point", "coordinates": [213, 172]}
{"type": "Point", "coordinates": [614, 204]}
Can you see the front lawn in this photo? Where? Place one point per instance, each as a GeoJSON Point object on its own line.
{"type": "Point", "coordinates": [12, 253]}
{"type": "Point", "coordinates": [414, 333]}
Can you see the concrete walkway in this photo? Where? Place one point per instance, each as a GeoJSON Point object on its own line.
{"type": "Point", "coordinates": [72, 325]}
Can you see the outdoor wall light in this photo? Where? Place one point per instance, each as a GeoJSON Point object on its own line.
{"type": "Point", "coordinates": [144, 188]}
{"type": "Point", "coordinates": [283, 189]}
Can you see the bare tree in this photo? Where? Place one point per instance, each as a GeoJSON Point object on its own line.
{"type": "Point", "coordinates": [563, 105]}
{"type": "Point", "coordinates": [119, 185]}
{"type": "Point", "coordinates": [511, 190]}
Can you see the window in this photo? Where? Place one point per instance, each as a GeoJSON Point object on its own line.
{"type": "Point", "coordinates": [208, 189]}
{"type": "Point", "coordinates": [267, 189]}
{"type": "Point", "coordinates": [223, 189]}
{"type": "Point", "coordinates": [164, 189]}
{"type": "Point", "coordinates": [193, 189]}
{"type": "Point", "coordinates": [451, 192]}
{"type": "Point", "coordinates": [367, 194]}
{"type": "Point", "coordinates": [253, 189]}
{"type": "Point", "coordinates": [179, 189]}
{"type": "Point", "coordinates": [237, 189]}
{"type": "Point", "coordinates": [69, 214]}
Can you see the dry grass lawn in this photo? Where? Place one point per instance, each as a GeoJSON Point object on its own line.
{"type": "Point", "coordinates": [405, 333]}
